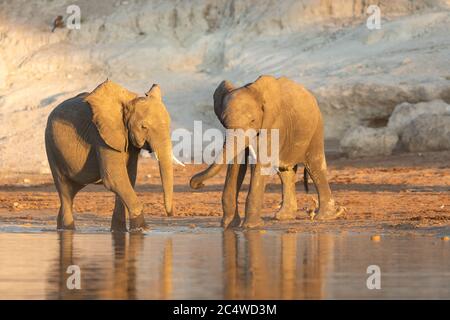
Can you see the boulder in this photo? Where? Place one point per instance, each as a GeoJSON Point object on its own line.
{"type": "Point", "coordinates": [429, 132]}
{"type": "Point", "coordinates": [405, 113]}
{"type": "Point", "coordinates": [365, 142]}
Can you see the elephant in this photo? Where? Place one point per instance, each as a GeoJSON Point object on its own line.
{"type": "Point", "coordinates": [96, 137]}
{"type": "Point", "coordinates": [270, 103]}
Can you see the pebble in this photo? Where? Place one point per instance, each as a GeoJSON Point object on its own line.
{"type": "Point", "coordinates": [375, 238]}
{"type": "Point", "coordinates": [15, 204]}
{"type": "Point", "coordinates": [26, 180]}
{"type": "Point", "coordinates": [445, 238]}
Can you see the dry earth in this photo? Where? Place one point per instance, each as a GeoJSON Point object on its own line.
{"type": "Point", "coordinates": [406, 192]}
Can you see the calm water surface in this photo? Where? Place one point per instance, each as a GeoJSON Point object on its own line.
{"type": "Point", "coordinates": [213, 264]}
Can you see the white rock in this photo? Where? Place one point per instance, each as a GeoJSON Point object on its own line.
{"type": "Point", "coordinates": [44, 170]}
{"type": "Point", "coordinates": [430, 132]}
{"type": "Point", "coordinates": [405, 113]}
{"type": "Point", "coordinates": [364, 142]}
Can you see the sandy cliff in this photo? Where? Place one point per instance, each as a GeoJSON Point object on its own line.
{"type": "Point", "coordinates": [188, 47]}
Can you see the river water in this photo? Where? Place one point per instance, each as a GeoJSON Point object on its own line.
{"type": "Point", "coordinates": [208, 263]}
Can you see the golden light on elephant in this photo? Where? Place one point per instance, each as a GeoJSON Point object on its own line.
{"type": "Point", "coordinates": [97, 136]}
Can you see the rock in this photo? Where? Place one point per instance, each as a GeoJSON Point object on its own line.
{"type": "Point", "coordinates": [405, 113]}
{"type": "Point", "coordinates": [364, 142]}
{"type": "Point", "coordinates": [375, 238]}
{"type": "Point", "coordinates": [26, 181]}
{"type": "Point", "coordinates": [445, 238]}
{"type": "Point", "coordinates": [44, 170]}
{"type": "Point", "coordinates": [429, 132]}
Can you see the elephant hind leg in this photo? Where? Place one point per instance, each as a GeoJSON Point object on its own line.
{"type": "Point", "coordinates": [316, 166]}
{"type": "Point", "coordinates": [289, 205]}
{"type": "Point", "coordinates": [67, 190]}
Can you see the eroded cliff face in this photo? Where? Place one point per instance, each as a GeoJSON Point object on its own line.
{"type": "Point", "coordinates": [359, 75]}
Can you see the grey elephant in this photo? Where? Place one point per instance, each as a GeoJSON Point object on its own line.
{"type": "Point", "coordinates": [96, 137]}
{"type": "Point", "coordinates": [270, 103]}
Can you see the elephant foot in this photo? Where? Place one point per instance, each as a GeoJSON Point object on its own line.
{"type": "Point", "coordinates": [138, 224]}
{"type": "Point", "coordinates": [285, 214]}
{"type": "Point", "coordinates": [252, 222]}
{"type": "Point", "coordinates": [232, 222]}
{"type": "Point", "coordinates": [196, 184]}
{"type": "Point", "coordinates": [169, 213]}
{"type": "Point", "coordinates": [61, 226]}
{"type": "Point", "coordinates": [329, 213]}
{"type": "Point", "coordinates": [120, 226]}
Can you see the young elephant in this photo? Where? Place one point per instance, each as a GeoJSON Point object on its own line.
{"type": "Point", "coordinates": [97, 136]}
{"type": "Point", "coordinates": [270, 103]}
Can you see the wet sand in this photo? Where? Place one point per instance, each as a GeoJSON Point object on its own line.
{"type": "Point", "coordinates": [408, 192]}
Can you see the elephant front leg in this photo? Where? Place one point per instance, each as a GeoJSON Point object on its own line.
{"type": "Point", "coordinates": [127, 195]}
{"type": "Point", "coordinates": [233, 182]}
{"type": "Point", "coordinates": [289, 205]}
{"type": "Point", "coordinates": [115, 178]}
{"type": "Point", "coordinates": [255, 197]}
{"type": "Point", "coordinates": [118, 221]}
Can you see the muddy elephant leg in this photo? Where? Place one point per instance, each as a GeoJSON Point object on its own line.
{"type": "Point", "coordinates": [67, 190]}
{"type": "Point", "coordinates": [233, 182]}
{"type": "Point", "coordinates": [317, 168]}
{"type": "Point", "coordinates": [289, 205]}
{"type": "Point", "coordinates": [118, 221]}
{"type": "Point", "coordinates": [255, 198]}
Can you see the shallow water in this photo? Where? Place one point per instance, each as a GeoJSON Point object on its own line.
{"type": "Point", "coordinates": [208, 263]}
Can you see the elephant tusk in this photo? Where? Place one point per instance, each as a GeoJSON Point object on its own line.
{"type": "Point", "coordinates": [177, 161]}
{"type": "Point", "coordinates": [156, 156]}
{"type": "Point", "coordinates": [252, 152]}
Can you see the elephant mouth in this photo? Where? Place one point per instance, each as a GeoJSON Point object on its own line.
{"type": "Point", "coordinates": [147, 147]}
{"type": "Point", "coordinates": [137, 144]}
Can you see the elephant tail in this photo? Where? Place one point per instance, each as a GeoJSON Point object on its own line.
{"type": "Point", "coordinates": [305, 180]}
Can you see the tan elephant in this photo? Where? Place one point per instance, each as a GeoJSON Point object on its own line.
{"type": "Point", "coordinates": [271, 103]}
{"type": "Point", "coordinates": [96, 137]}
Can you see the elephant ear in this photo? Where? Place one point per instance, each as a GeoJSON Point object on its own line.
{"type": "Point", "coordinates": [222, 90]}
{"type": "Point", "coordinates": [269, 90]}
{"type": "Point", "coordinates": [155, 91]}
{"type": "Point", "coordinates": [107, 102]}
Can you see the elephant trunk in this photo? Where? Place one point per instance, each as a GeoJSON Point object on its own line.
{"type": "Point", "coordinates": [163, 152]}
{"type": "Point", "coordinates": [220, 162]}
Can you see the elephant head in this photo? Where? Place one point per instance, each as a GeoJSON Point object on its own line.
{"type": "Point", "coordinates": [254, 106]}
{"type": "Point", "coordinates": [123, 118]}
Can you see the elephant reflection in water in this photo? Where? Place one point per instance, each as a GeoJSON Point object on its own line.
{"type": "Point", "coordinates": [66, 259]}
{"type": "Point", "coordinates": [292, 270]}
{"type": "Point", "coordinates": [126, 254]}
{"type": "Point", "coordinates": [98, 279]}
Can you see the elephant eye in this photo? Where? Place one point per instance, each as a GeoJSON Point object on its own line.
{"type": "Point", "coordinates": [144, 126]}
